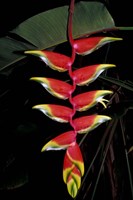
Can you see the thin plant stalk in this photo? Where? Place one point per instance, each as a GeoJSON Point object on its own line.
{"type": "Point", "coordinates": [127, 160]}
{"type": "Point", "coordinates": [104, 157]}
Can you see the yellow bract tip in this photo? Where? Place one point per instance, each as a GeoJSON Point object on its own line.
{"type": "Point", "coordinates": [34, 52]}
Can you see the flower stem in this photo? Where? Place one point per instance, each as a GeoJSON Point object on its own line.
{"type": "Point", "coordinates": [73, 55]}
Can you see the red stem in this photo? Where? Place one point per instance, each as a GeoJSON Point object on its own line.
{"type": "Point", "coordinates": [73, 55]}
{"type": "Point", "coordinates": [70, 30]}
{"type": "Point", "coordinates": [70, 22]}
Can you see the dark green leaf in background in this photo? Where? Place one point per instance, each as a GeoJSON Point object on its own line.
{"type": "Point", "coordinates": [48, 29]}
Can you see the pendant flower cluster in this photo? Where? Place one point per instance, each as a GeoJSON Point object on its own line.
{"type": "Point", "coordinates": [73, 165]}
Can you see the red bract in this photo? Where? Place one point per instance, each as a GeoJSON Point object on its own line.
{"type": "Point", "coordinates": [68, 166]}
{"type": "Point", "coordinates": [73, 169]}
{"type": "Point", "coordinates": [76, 175]}
{"type": "Point", "coordinates": [89, 99]}
{"type": "Point", "coordinates": [62, 141]}
{"type": "Point", "coordinates": [54, 60]}
{"type": "Point", "coordinates": [72, 186]}
{"type": "Point", "coordinates": [57, 88]}
{"type": "Point", "coordinates": [55, 112]}
{"type": "Point", "coordinates": [75, 156]}
{"type": "Point", "coordinates": [88, 74]}
{"type": "Point", "coordinates": [86, 46]}
{"type": "Point", "coordinates": [74, 182]}
{"type": "Point", "coordinates": [86, 124]}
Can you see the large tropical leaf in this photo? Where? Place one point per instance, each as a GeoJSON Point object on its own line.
{"type": "Point", "coordinates": [48, 29]}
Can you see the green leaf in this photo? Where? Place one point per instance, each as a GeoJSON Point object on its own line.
{"type": "Point", "coordinates": [128, 28]}
{"type": "Point", "coordinates": [8, 47]}
{"type": "Point", "coordinates": [120, 83]}
{"type": "Point", "coordinates": [49, 28]}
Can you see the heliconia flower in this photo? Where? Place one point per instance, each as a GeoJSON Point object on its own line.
{"type": "Point", "coordinates": [72, 187]}
{"type": "Point", "coordinates": [57, 88]}
{"type": "Point", "coordinates": [88, 74]}
{"type": "Point", "coordinates": [54, 60]}
{"type": "Point", "coordinates": [74, 182]}
{"type": "Point", "coordinates": [62, 141]}
{"type": "Point", "coordinates": [68, 166]}
{"type": "Point", "coordinates": [75, 156]}
{"type": "Point", "coordinates": [89, 99]}
{"type": "Point", "coordinates": [70, 169]}
{"type": "Point", "coordinates": [73, 169]}
{"type": "Point", "coordinates": [86, 124]}
{"type": "Point", "coordinates": [56, 112]}
{"type": "Point", "coordinates": [76, 175]}
{"type": "Point", "coordinates": [86, 46]}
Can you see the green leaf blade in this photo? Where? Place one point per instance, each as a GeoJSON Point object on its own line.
{"type": "Point", "coordinates": [49, 28]}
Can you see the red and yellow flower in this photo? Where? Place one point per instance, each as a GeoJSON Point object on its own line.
{"type": "Point", "coordinates": [85, 46]}
{"type": "Point", "coordinates": [89, 99]}
{"type": "Point", "coordinates": [57, 88]}
{"type": "Point", "coordinates": [56, 112]}
{"type": "Point", "coordinates": [88, 74]}
{"type": "Point", "coordinates": [86, 124]}
{"type": "Point", "coordinates": [73, 169]}
{"type": "Point", "coordinates": [54, 60]}
{"type": "Point", "coordinates": [62, 141]}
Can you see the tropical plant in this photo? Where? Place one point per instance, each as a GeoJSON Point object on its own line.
{"type": "Point", "coordinates": [84, 83]}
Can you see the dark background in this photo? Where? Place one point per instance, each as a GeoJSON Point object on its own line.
{"type": "Point", "coordinates": [46, 185]}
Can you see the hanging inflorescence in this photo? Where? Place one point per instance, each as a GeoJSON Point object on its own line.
{"type": "Point", "coordinates": [73, 165]}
